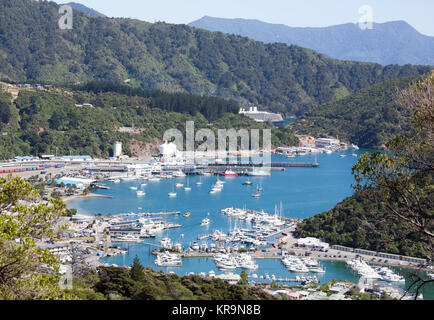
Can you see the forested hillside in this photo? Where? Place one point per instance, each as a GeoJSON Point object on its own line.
{"type": "Point", "coordinates": [283, 78]}
{"type": "Point", "coordinates": [359, 223]}
{"type": "Point", "coordinates": [368, 118]}
{"type": "Point", "coordinates": [44, 122]}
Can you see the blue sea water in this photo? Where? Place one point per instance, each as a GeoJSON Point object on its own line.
{"type": "Point", "coordinates": [303, 192]}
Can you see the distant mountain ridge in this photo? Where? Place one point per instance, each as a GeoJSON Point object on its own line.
{"type": "Point", "coordinates": [393, 42]}
{"type": "Point", "coordinates": [82, 8]}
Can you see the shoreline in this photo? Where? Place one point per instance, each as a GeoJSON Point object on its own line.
{"type": "Point", "coordinates": [82, 196]}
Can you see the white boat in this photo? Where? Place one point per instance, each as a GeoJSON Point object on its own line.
{"type": "Point", "coordinates": [225, 262]}
{"type": "Point", "coordinates": [166, 243]}
{"type": "Point", "coordinates": [187, 188]}
{"type": "Point", "coordinates": [294, 264]}
{"type": "Point", "coordinates": [173, 193]}
{"type": "Point", "coordinates": [309, 262]}
{"type": "Point", "coordinates": [205, 222]}
{"type": "Point", "coordinates": [154, 179]}
{"type": "Point", "coordinates": [129, 178]}
{"type": "Point", "coordinates": [143, 185]}
{"type": "Point", "coordinates": [132, 188]}
{"type": "Point", "coordinates": [179, 185]}
{"type": "Point", "coordinates": [260, 173]}
{"type": "Point", "coordinates": [316, 269]}
{"type": "Point", "coordinates": [195, 246]}
{"type": "Point", "coordinates": [363, 269]}
{"type": "Point", "coordinates": [127, 238]}
{"type": "Point", "coordinates": [388, 275]}
{"type": "Point", "coordinates": [246, 261]}
{"type": "Point", "coordinates": [140, 193]}
{"type": "Point", "coordinates": [179, 174]}
{"type": "Point", "coordinates": [167, 259]}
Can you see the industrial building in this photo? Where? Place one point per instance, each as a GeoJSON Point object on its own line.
{"type": "Point", "coordinates": [168, 150]}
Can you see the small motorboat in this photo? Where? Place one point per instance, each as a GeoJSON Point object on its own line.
{"type": "Point", "coordinates": [256, 195]}
{"type": "Point", "coordinates": [205, 222]}
{"type": "Point", "coordinates": [187, 214]}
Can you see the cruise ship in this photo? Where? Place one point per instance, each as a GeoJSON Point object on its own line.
{"type": "Point", "coordinates": [262, 116]}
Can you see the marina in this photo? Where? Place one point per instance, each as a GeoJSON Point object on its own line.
{"type": "Point", "coordinates": [307, 194]}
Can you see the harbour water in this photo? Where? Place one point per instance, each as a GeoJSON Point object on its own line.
{"type": "Point", "coordinates": [303, 192]}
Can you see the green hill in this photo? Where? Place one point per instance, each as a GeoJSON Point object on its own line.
{"type": "Point", "coordinates": [169, 57]}
{"type": "Point", "coordinates": [359, 223]}
{"type": "Point", "coordinates": [368, 118]}
{"type": "Point", "coordinates": [37, 122]}
{"type": "Point", "coordinates": [146, 284]}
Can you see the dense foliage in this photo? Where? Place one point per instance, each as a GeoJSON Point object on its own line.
{"type": "Point", "coordinates": [141, 283]}
{"type": "Point", "coordinates": [359, 223]}
{"type": "Point", "coordinates": [27, 271]}
{"type": "Point", "coordinates": [368, 118]}
{"type": "Point", "coordinates": [392, 209]}
{"type": "Point", "coordinates": [49, 122]}
{"type": "Point", "coordinates": [210, 107]}
{"type": "Point", "coordinates": [174, 58]}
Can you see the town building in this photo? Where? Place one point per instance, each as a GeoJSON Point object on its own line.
{"type": "Point", "coordinates": [312, 243]}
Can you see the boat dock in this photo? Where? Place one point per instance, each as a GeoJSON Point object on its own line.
{"type": "Point", "coordinates": [143, 214]}
{"type": "Point", "coordinates": [265, 165]}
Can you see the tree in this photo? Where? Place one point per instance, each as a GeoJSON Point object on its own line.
{"type": "Point", "coordinates": [244, 279]}
{"type": "Point", "coordinates": [137, 270]}
{"type": "Point", "coordinates": [402, 180]}
{"type": "Point", "coordinates": [26, 270]}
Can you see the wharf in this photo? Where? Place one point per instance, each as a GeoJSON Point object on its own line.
{"type": "Point", "coordinates": [283, 218]}
{"type": "Point", "coordinates": [143, 214]}
{"type": "Point", "coordinates": [266, 165]}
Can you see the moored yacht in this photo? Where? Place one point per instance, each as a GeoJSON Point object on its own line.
{"type": "Point", "coordinates": [167, 259]}
{"type": "Point", "coordinates": [205, 222]}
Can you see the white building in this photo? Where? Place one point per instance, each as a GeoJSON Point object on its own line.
{"type": "Point", "coordinates": [312, 243]}
{"type": "Point", "coordinates": [117, 149]}
{"type": "Point", "coordinates": [168, 149]}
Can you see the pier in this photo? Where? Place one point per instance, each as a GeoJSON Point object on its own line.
{"type": "Point", "coordinates": [143, 214]}
{"type": "Point", "coordinates": [265, 165]}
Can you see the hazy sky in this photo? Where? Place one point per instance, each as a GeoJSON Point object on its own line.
{"type": "Point", "coordinates": [295, 13]}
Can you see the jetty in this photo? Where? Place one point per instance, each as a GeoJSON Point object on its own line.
{"type": "Point", "coordinates": [265, 165]}
{"type": "Point", "coordinates": [142, 214]}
